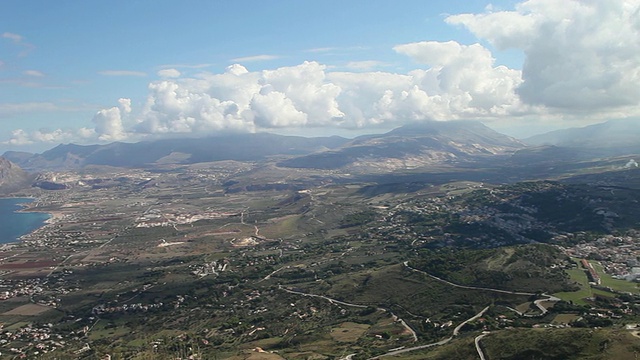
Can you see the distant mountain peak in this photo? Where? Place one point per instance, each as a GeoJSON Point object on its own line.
{"type": "Point", "coordinates": [611, 138]}
{"type": "Point", "coordinates": [414, 145]}
{"type": "Point", "coordinates": [434, 126]}
{"type": "Point", "coordinates": [11, 175]}
{"type": "Point", "coordinates": [240, 147]}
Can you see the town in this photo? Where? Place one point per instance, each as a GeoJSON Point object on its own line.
{"type": "Point", "coordinates": [157, 251]}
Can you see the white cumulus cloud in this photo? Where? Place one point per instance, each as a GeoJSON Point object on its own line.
{"type": "Point", "coordinates": [124, 105]}
{"type": "Point", "coordinates": [108, 122]}
{"type": "Point", "coordinates": [578, 54]}
{"type": "Point", "coordinates": [55, 136]}
{"type": "Point", "coordinates": [19, 137]}
{"type": "Point", "coordinates": [580, 62]}
{"type": "Point", "coordinates": [458, 82]}
{"type": "Point", "coordinates": [22, 137]}
{"type": "Point", "coordinates": [275, 109]}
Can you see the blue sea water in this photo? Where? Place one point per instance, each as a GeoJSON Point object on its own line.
{"type": "Point", "coordinates": [14, 224]}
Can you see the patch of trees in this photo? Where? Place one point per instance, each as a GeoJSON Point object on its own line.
{"type": "Point", "coordinates": [357, 219]}
{"type": "Point", "coordinates": [513, 268]}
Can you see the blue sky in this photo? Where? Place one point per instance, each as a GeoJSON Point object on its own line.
{"type": "Point", "coordinates": [100, 71]}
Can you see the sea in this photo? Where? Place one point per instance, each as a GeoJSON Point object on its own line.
{"type": "Point", "coordinates": [14, 224]}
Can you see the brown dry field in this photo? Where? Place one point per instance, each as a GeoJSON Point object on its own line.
{"type": "Point", "coordinates": [29, 265]}
{"type": "Point", "coordinates": [28, 310]}
{"type": "Point", "coordinates": [349, 332]}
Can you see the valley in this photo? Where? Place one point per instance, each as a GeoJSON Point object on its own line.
{"type": "Point", "coordinates": [299, 180]}
{"type": "Point", "coordinates": [234, 259]}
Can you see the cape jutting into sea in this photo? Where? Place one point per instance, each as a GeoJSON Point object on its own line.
{"type": "Point", "coordinates": [14, 224]}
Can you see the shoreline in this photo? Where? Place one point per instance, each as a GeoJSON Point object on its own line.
{"type": "Point", "coordinates": [26, 207]}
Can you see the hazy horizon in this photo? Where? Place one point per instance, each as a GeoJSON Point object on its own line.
{"type": "Point", "coordinates": [325, 133]}
{"type": "Point", "coordinates": [91, 73]}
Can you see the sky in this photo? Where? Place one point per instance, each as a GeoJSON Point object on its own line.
{"type": "Point", "coordinates": [99, 71]}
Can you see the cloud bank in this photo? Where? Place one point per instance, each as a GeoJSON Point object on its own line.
{"type": "Point", "coordinates": [580, 58]}
{"type": "Point", "coordinates": [579, 55]}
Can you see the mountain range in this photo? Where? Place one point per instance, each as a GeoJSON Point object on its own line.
{"type": "Point", "coordinates": [239, 147]}
{"type": "Point", "coordinates": [611, 138]}
{"type": "Point", "coordinates": [412, 145]}
{"type": "Point", "coordinates": [423, 144]}
{"type": "Point", "coordinates": [419, 145]}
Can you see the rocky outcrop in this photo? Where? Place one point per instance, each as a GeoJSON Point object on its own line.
{"type": "Point", "coordinates": [12, 177]}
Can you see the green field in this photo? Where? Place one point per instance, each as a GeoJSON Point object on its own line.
{"type": "Point", "coordinates": [586, 291]}
{"type": "Point", "coordinates": [615, 284]}
{"type": "Point", "coordinates": [577, 297]}
{"type": "Point", "coordinates": [564, 318]}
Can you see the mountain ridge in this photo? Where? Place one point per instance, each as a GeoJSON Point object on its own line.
{"type": "Point", "coordinates": [415, 145]}
{"type": "Point", "coordinates": [12, 176]}
{"type": "Point", "coordinates": [621, 134]}
{"type": "Point", "coordinates": [409, 146]}
{"type": "Point", "coordinates": [241, 147]}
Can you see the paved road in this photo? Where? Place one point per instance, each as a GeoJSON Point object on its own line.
{"type": "Point", "coordinates": [456, 331]}
{"type": "Point", "coordinates": [406, 263]}
{"type": "Point", "coordinates": [269, 276]}
{"type": "Point", "coordinates": [333, 301]}
{"type": "Point", "coordinates": [537, 303]}
{"type": "Point", "coordinates": [402, 351]}
{"type": "Point", "coordinates": [478, 348]}
{"type": "Point", "coordinates": [406, 326]}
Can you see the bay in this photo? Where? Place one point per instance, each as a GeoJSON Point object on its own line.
{"type": "Point", "coordinates": [14, 224]}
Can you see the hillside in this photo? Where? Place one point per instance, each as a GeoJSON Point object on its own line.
{"type": "Point", "coordinates": [169, 262]}
{"type": "Point", "coordinates": [413, 146]}
{"type": "Point", "coordinates": [227, 259]}
{"type": "Point", "coordinates": [610, 138]}
{"type": "Point", "coordinates": [239, 147]}
{"type": "Point", "coordinates": [12, 177]}
{"type": "Point", "coordinates": [530, 344]}
{"type": "Point", "coordinates": [428, 143]}
{"type": "Point", "coordinates": [523, 267]}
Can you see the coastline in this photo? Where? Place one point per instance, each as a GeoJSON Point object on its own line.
{"type": "Point", "coordinates": [54, 216]}
{"type": "Point", "coordinates": [25, 207]}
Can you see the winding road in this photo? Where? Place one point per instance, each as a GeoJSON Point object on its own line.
{"type": "Point", "coordinates": [334, 301]}
{"type": "Point", "coordinates": [456, 330]}
{"type": "Point", "coordinates": [537, 303]}
{"type": "Point", "coordinates": [478, 348]}
{"type": "Point", "coordinates": [274, 272]}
